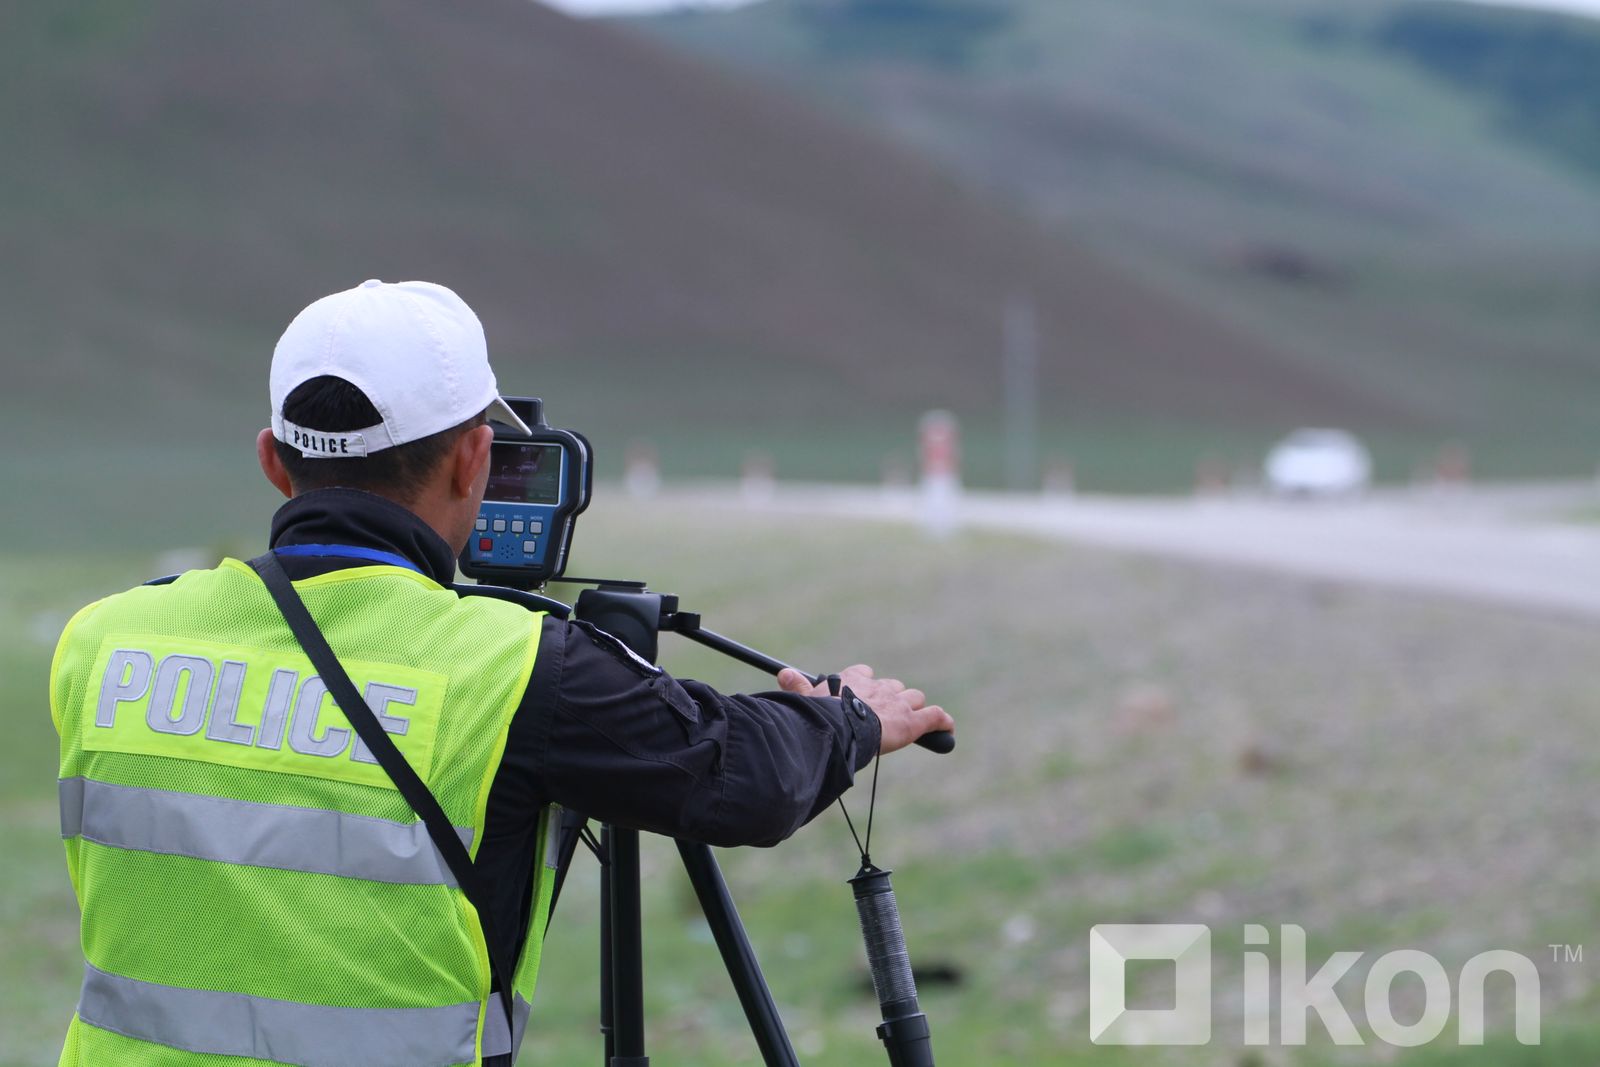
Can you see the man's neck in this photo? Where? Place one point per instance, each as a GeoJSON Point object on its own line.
{"type": "Point", "coordinates": [361, 519]}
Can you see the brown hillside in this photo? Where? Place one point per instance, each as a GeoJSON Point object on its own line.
{"type": "Point", "coordinates": [187, 173]}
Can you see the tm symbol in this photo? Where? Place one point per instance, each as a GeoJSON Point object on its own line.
{"type": "Point", "coordinates": [1565, 953]}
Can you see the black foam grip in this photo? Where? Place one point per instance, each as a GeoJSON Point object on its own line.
{"type": "Point", "coordinates": [885, 941]}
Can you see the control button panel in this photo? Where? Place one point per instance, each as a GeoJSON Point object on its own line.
{"type": "Point", "coordinates": [509, 533]}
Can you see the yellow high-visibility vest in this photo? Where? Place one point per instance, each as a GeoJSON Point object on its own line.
{"type": "Point", "coordinates": [252, 885]}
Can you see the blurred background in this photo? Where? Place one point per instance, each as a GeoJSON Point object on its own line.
{"type": "Point", "coordinates": [1263, 578]}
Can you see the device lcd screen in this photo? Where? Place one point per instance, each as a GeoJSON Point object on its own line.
{"type": "Point", "coordinates": [524, 474]}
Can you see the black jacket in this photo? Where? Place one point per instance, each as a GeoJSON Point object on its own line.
{"type": "Point", "coordinates": [603, 734]}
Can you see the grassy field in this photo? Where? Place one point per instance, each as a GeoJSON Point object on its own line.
{"type": "Point", "coordinates": [1140, 741]}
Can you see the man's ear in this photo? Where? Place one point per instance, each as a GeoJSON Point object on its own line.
{"type": "Point", "coordinates": [271, 465]}
{"type": "Point", "coordinates": [470, 462]}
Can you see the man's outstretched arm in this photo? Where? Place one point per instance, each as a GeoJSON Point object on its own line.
{"type": "Point", "coordinates": [620, 741]}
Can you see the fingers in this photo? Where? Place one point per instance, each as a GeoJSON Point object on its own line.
{"type": "Point", "coordinates": [901, 726]}
{"type": "Point", "coordinates": [792, 681]}
{"type": "Point", "coordinates": [933, 718]}
{"type": "Point", "coordinates": [915, 697]}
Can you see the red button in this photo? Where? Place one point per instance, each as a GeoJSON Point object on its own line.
{"type": "Point", "coordinates": [485, 544]}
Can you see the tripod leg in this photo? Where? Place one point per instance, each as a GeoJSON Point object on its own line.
{"type": "Point", "coordinates": [737, 955]}
{"type": "Point", "coordinates": [627, 950]}
{"type": "Point", "coordinates": [607, 1013]}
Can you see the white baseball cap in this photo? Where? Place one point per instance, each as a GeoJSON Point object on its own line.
{"type": "Point", "coordinates": [414, 348]}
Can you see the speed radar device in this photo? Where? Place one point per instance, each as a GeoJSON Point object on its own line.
{"type": "Point", "coordinates": [539, 484]}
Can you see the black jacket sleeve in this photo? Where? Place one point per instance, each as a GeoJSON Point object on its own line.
{"type": "Point", "coordinates": [609, 735]}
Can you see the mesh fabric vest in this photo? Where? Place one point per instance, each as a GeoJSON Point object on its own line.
{"type": "Point", "coordinates": [253, 888]}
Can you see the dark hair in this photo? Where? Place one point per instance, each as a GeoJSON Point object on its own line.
{"type": "Point", "coordinates": [333, 404]}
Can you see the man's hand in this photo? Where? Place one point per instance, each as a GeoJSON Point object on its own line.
{"type": "Point", "coordinates": [905, 714]}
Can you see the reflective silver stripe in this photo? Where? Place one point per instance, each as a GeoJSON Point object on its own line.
{"type": "Point", "coordinates": [256, 835]}
{"type": "Point", "coordinates": [69, 794]}
{"type": "Point", "coordinates": [496, 1042]}
{"type": "Point", "coordinates": [282, 1031]}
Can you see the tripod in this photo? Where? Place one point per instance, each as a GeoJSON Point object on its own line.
{"type": "Point", "coordinates": [636, 616]}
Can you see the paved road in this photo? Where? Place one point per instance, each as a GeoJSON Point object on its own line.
{"type": "Point", "coordinates": [1511, 546]}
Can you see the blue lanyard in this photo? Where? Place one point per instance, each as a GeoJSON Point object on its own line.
{"type": "Point", "coordinates": [376, 555]}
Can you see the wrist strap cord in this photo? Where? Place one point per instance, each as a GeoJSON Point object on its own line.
{"type": "Point", "coordinates": [862, 846]}
{"type": "Point", "coordinates": [389, 757]}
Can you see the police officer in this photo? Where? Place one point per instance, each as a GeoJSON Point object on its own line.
{"type": "Point", "coordinates": [252, 884]}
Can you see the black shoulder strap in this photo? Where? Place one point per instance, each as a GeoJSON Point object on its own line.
{"type": "Point", "coordinates": [412, 787]}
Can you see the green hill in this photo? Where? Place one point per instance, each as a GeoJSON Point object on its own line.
{"type": "Point", "coordinates": [1540, 77]}
{"type": "Point", "coordinates": [1425, 118]}
{"type": "Point", "coordinates": [1405, 194]}
{"type": "Point", "coordinates": [663, 251]}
